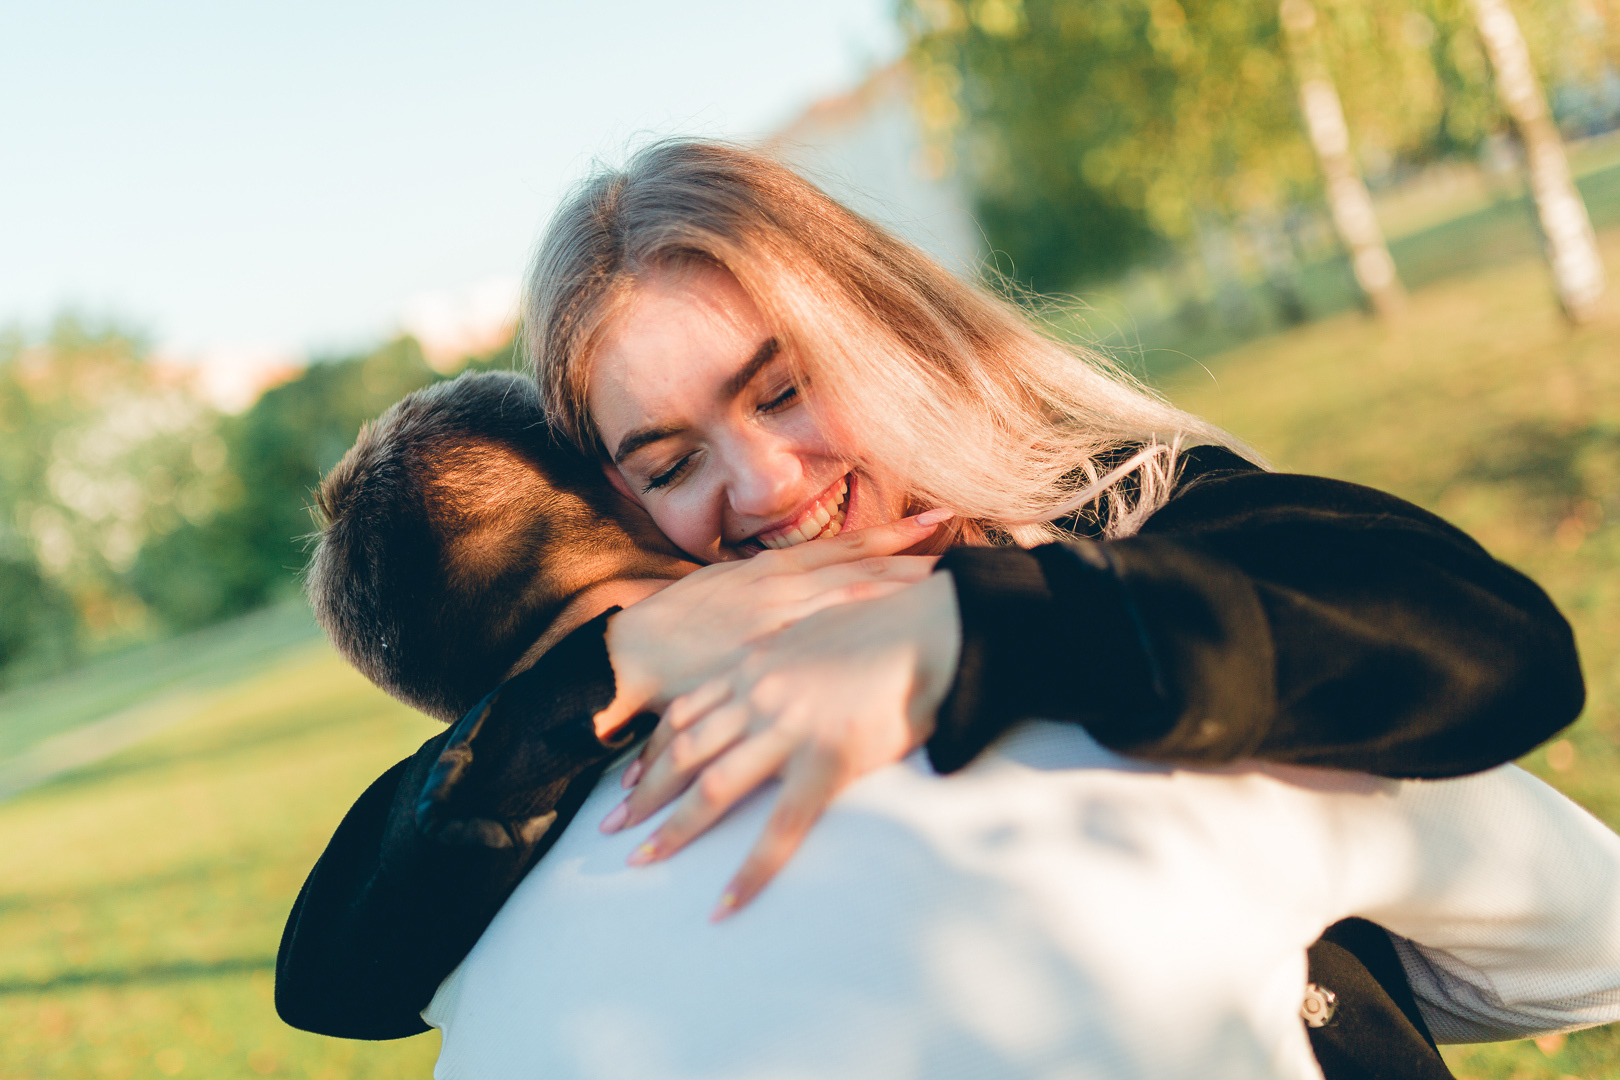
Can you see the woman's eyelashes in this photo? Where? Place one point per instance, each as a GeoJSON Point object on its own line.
{"type": "Point", "coordinates": [669, 475]}
{"type": "Point", "coordinates": [785, 399]}
{"type": "Point", "coordinates": [782, 400]}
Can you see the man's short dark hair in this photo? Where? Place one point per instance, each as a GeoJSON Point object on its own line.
{"type": "Point", "coordinates": [454, 532]}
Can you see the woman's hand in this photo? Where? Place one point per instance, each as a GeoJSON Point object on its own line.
{"type": "Point", "coordinates": [704, 624]}
{"type": "Point", "coordinates": [825, 701]}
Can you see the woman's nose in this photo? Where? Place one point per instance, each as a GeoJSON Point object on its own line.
{"type": "Point", "coordinates": [765, 480]}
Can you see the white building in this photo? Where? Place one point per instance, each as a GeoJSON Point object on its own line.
{"type": "Point", "coordinates": [866, 150]}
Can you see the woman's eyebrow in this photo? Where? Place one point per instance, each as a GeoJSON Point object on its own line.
{"type": "Point", "coordinates": [735, 385]}
{"type": "Point", "coordinates": [739, 382]}
{"type": "Point", "coordinates": [646, 436]}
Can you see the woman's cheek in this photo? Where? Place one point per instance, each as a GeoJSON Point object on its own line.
{"type": "Point", "coordinates": [692, 521]}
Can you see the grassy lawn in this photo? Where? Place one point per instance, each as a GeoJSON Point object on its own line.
{"type": "Point", "coordinates": [1485, 407]}
{"type": "Point", "coordinates": [1442, 240]}
{"type": "Point", "coordinates": [141, 898]}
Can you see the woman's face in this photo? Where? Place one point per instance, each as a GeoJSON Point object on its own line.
{"type": "Point", "coordinates": [706, 428]}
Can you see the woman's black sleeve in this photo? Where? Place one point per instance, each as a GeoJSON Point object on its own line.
{"type": "Point", "coordinates": [1290, 618]}
{"type": "Point", "coordinates": [425, 858]}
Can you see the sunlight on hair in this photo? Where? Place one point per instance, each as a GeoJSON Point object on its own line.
{"type": "Point", "coordinates": [951, 390]}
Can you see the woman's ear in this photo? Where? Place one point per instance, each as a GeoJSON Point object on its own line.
{"type": "Point", "coordinates": [616, 478]}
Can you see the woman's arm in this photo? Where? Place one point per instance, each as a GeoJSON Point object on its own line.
{"type": "Point", "coordinates": [1291, 618]}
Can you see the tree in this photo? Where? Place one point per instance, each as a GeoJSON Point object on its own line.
{"type": "Point", "coordinates": [1099, 131]}
{"type": "Point", "coordinates": [1567, 230]}
{"type": "Point", "coordinates": [250, 550]}
{"type": "Point", "coordinates": [39, 634]}
{"type": "Point", "coordinates": [102, 450]}
{"type": "Point", "coordinates": [1348, 199]}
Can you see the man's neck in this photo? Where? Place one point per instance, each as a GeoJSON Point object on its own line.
{"type": "Point", "coordinates": [585, 606]}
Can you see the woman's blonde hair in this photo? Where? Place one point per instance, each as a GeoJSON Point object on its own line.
{"type": "Point", "coordinates": [939, 383]}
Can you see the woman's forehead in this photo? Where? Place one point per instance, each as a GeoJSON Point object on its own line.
{"type": "Point", "coordinates": [680, 340]}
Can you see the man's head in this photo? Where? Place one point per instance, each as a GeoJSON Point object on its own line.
{"type": "Point", "coordinates": [454, 533]}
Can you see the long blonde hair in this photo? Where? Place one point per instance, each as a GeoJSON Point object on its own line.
{"type": "Point", "coordinates": [938, 382]}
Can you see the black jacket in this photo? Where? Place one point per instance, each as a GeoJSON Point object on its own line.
{"type": "Point", "coordinates": [1257, 614]}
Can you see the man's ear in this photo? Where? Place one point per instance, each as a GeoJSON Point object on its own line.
{"type": "Point", "coordinates": [616, 478]}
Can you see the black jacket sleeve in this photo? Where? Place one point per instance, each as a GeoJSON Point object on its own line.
{"type": "Point", "coordinates": [425, 858]}
{"type": "Point", "coordinates": [1269, 615]}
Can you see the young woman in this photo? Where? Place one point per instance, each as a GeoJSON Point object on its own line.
{"type": "Point", "coordinates": [760, 368]}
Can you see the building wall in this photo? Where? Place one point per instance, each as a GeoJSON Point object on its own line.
{"type": "Point", "coordinates": [866, 150]}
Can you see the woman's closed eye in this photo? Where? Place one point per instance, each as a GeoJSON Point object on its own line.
{"type": "Point", "coordinates": [673, 473]}
{"type": "Point", "coordinates": [781, 401]}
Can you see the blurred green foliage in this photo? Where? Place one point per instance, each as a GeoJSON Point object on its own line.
{"type": "Point", "coordinates": [1097, 133]}
{"type": "Point", "coordinates": [251, 549]}
{"type": "Point", "coordinates": [41, 626]}
{"type": "Point", "coordinates": [130, 508]}
{"type": "Point", "coordinates": [100, 451]}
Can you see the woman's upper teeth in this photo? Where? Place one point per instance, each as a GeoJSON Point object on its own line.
{"type": "Point", "coordinates": [824, 519]}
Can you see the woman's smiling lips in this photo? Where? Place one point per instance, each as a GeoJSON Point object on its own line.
{"type": "Point", "coordinates": [824, 517]}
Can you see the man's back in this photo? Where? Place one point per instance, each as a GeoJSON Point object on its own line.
{"type": "Point", "coordinates": [1051, 911]}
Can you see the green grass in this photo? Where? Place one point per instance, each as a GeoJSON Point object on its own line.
{"type": "Point", "coordinates": [131, 678]}
{"type": "Point", "coordinates": [1485, 407]}
{"type": "Point", "coordinates": [1497, 232]}
{"type": "Point", "coordinates": [141, 898]}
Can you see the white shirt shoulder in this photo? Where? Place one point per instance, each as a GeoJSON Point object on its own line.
{"type": "Point", "coordinates": [1053, 910]}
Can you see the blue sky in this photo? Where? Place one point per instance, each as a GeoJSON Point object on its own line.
{"type": "Point", "coordinates": [287, 177]}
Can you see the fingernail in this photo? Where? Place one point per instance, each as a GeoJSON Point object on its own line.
{"type": "Point", "coordinates": [644, 854]}
{"type": "Point", "coordinates": [616, 818]}
{"type": "Point", "coordinates": [631, 775]}
{"type": "Point", "coordinates": [933, 517]}
{"type": "Point", "coordinates": [726, 907]}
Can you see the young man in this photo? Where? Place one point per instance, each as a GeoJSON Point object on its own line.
{"type": "Point", "coordinates": [463, 547]}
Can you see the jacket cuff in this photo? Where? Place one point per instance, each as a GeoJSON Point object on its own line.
{"type": "Point", "coordinates": [1046, 633]}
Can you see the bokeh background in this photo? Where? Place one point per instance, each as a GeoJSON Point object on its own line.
{"type": "Point", "coordinates": [1342, 229]}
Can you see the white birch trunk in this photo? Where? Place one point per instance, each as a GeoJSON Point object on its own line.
{"type": "Point", "coordinates": [1572, 248]}
{"type": "Point", "coordinates": [1348, 199]}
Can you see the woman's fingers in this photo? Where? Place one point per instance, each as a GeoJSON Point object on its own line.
{"type": "Point", "coordinates": [682, 713]}
{"type": "Point", "coordinates": [716, 790]}
{"type": "Point", "coordinates": [907, 569]}
{"type": "Point", "coordinates": [852, 593]}
{"type": "Point", "coordinates": [618, 713]}
{"type": "Point", "coordinates": [687, 754]}
{"type": "Point", "coordinates": [887, 539]}
{"type": "Point", "coordinates": [811, 780]}
{"type": "Point", "coordinates": [785, 597]}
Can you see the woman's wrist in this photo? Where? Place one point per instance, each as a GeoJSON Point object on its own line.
{"type": "Point", "coordinates": [939, 644]}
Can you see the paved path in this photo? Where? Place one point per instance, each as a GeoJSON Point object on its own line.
{"type": "Point", "coordinates": [89, 743]}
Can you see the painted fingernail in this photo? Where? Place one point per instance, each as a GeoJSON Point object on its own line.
{"type": "Point", "coordinates": [726, 907]}
{"type": "Point", "coordinates": [644, 854]}
{"type": "Point", "coordinates": [933, 517]}
{"type": "Point", "coordinates": [616, 818]}
{"type": "Point", "coordinates": [631, 775]}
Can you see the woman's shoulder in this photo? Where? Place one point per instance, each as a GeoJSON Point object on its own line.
{"type": "Point", "coordinates": [1194, 466]}
{"type": "Point", "coordinates": [1208, 462]}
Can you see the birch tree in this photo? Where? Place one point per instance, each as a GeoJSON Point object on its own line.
{"type": "Point", "coordinates": [1348, 199]}
{"type": "Point", "coordinates": [1571, 244]}
{"type": "Point", "coordinates": [1092, 126]}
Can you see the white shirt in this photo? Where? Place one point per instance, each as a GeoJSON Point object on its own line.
{"type": "Point", "coordinates": [1051, 911]}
